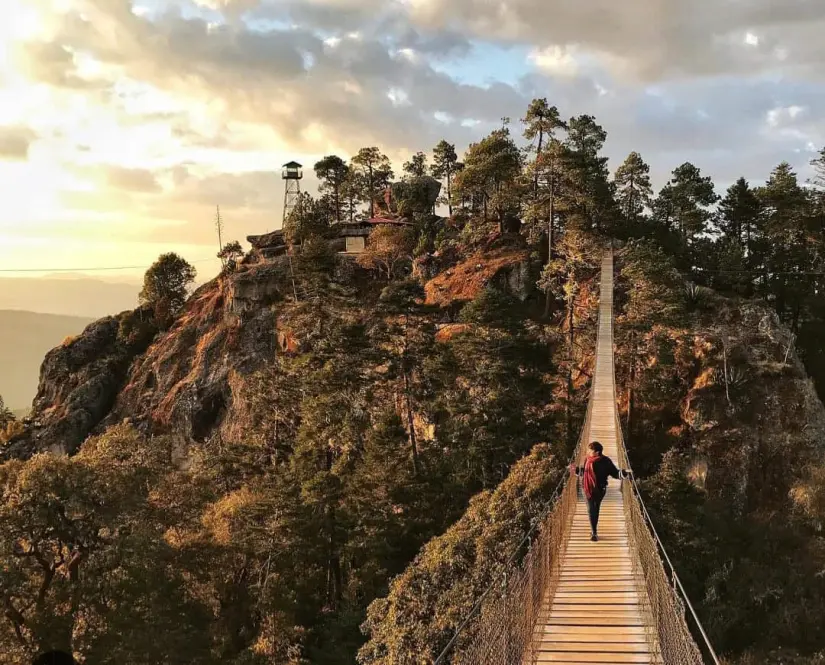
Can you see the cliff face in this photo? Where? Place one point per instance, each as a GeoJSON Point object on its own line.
{"type": "Point", "coordinates": [181, 379]}
{"type": "Point", "coordinates": [727, 431]}
{"type": "Point", "coordinates": [79, 381]}
{"type": "Point", "coordinates": [188, 379]}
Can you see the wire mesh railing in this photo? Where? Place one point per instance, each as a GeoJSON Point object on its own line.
{"type": "Point", "coordinates": [668, 605]}
{"type": "Point", "coordinates": [500, 627]}
{"type": "Point", "coordinates": [665, 601]}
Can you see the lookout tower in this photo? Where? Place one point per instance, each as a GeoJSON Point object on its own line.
{"type": "Point", "coordinates": [292, 175]}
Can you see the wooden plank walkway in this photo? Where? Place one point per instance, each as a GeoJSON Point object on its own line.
{"type": "Point", "coordinates": [596, 615]}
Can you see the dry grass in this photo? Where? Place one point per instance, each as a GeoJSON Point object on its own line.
{"type": "Point", "coordinates": [449, 331]}
{"type": "Point", "coordinates": [466, 280]}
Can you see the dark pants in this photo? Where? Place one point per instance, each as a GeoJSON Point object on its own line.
{"type": "Point", "coordinates": [594, 504]}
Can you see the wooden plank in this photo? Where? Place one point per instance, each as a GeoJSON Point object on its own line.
{"type": "Point", "coordinates": [595, 615]}
{"type": "Point", "coordinates": [579, 658]}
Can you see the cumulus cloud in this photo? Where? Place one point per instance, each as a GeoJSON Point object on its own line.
{"type": "Point", "coordinates": [15, 142]}
{"type": "Point", "coordinates": [649, 39]}
{"type": "Point", "coordinates": [556, 60]}
{"type": "Point", "coordinates": [133, 180]}
{"type": "Point", "coordinates": [181, 106]}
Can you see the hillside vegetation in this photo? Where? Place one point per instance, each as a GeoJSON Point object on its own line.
{"type": "Point", "coordinates": [316, 459]}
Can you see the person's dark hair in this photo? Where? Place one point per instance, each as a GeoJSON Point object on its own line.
{"type": "Point", "coordinates": [54, 658]}
{"type": "Point", "coordinates": [596, 447]}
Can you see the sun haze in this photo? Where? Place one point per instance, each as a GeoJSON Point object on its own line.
{"type": "Point", "coordinates": [124, 123]}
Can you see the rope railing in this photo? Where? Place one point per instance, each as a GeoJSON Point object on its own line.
{"type": "Point", "coordinates": [669, 604]}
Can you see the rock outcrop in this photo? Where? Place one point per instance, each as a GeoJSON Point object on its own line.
{"type": "Point", "coordinates": [80, 381]}
{"type": "Point", "coordinates": [186, 381]}
{"type": "Point", "coordinates": [508, 270]}
{"type": "Point", "coordinates": [182, 379]}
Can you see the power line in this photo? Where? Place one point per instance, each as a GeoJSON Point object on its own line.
{"type": "Point", "coordinates": [95, 269]}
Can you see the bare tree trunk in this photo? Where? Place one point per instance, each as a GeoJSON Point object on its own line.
{"type": "Point", "coordinates": [548, 302]}
{"type": "Point", "coordinates": [371, 192]}
{"type": "Point", "coordinates": [411, 424]}
{"type": "Point", "coordinates": [631, 395]}
{"type": "Point", "coordinates": [538, 159]}
{"type": "Point", "coordinates": [334, 578]}
{"type": "Point", "coordinates": [571, 341]}
{"type": "Point", "coordinates": [449, 193]}
{"type": "Point", "coordinates": [725, 368]}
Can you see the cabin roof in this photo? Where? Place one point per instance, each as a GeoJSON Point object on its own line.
{"type": "Point", "coordinates": [293, 165]}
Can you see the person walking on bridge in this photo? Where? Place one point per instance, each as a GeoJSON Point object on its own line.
{"type": "Point", "coordinates": [594, 474]}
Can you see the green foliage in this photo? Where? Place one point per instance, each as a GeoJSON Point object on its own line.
{"type": "Point", "coordinates": [310, 217]}
{"type": "Point", "coordinates": [491, 308]}
{"type": "Point", "coordinates": [82, 540]}
{"type": "Point", "coordinates": [739, 215]}
{"type": "Point", "coordinates": [137, 328]}
{"type": "Point", "coordinates": [491, 175]}
{"type": "Point", "coordinates": [332, 173]}
{"type": "Point", "coordinates": [444, 167]}
{"type": "Point", "coordinates": [372, 173]}
{"type": "Point", "coordinates": [429, 600]}
{"type": "Point", "coordinates": [315, 262]}
{"type": "Point", "coordinates": [541, 121]}
{"type": "Point", "coordinates": [683, 203]}
{"type": "Point", "coordinates": [417, 166]}
{"type": "Point", "coordinates": [231, 253]}
{"type": "Point", "coordinates": [6, 415]}
{"type": "Point", "coordinates": [166, 285]}
{"type": "Point", "coordinates": [634, 192]}
{"type": "Point", "coordinates": [654, 293]}
{"type": "Point", "coordinates": [416, 195]}
{"type": "Point", "coordinates": [402, 297]}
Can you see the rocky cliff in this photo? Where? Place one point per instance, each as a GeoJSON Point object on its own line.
{"type": "Point", "coordinates": [189, 378]}
{"type": "Point", "coordinates": [79, 381]}
{"type": "Point", "coordinates": [727, 430]}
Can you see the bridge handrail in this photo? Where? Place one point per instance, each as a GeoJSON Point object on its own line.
{"type": "Point", "coordinates": [509, 606]}
{"type": "Point", "coordinates": [541, 527]}
{"type": "Point", "coordinates": [678, 588]}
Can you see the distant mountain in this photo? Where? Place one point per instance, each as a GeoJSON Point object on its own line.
{"type": "Point", "coordinates": [68, 295]}
{"type": "Point", "coordinates": [25, 338]}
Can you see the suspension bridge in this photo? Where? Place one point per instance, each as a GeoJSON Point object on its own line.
{"type": "Point", "coordinates": [574, 601]}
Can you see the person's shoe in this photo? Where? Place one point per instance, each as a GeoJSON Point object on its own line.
{"type": "Point", "coordinates": [594, 538]}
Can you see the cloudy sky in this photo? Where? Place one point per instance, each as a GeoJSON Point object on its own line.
{"type": "Point", "coordinates": [123, 123]}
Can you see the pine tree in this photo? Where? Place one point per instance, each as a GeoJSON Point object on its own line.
{"type": "Point", "coordinates": [789, 246]}
{"type": "Point", "coordinates": [633, 190]}
{"type": "Point", "coordinates": [417, 166]}
{"type": "Point", "coordinates": [445, 166]}
{"type": "Point", "coordinates": [374, 173]}
{"type": "Point", "coordinates": [739, 215]}
{"type": "Point", "coordinates": [332, 173]}
{"type": "Point", "coordinates": [683, 203]}
{"type": "Point", "coordinates": [491, 176]}
{"type": "Point", "coordinates": [540, 125]}
{"type": "Point", "coordinates": [588, 190]}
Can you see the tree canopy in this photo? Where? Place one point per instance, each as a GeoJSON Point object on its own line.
{"type": "Point", "coordinates": [166, 283]}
